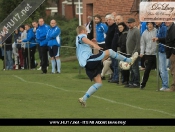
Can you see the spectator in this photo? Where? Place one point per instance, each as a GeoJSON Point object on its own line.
{"type": "Point", "coordinates": [30, 39]}
{"type": "Point", "coordinates": [8, 51]}
{"type": "Point", "coordinates": [2, 53]}
{"type": "Point", "coordinates": [114, 46]}
{"type": "Point", "coordinates": [118, 19]}
{"type": "Point", "coordinates": [15, 55]}
{"type": "Point", "coordinates": [123, 31]}
{"type": "Point", "coordinates": [108, 41]}
{"type": "Point", "coordinates": [110, 32]}
{"type": "Point", "coordinates": [35, 27]}
{"type": "Point", "coordinates": [114, 14]}
{"type": "Point", "coordinates": [41, 33]}
{"type": "Point", "coordinates": [101, 30]}
{"type": "Point", "coordinates": [21, 47]}
{"type": "Point", "coordinates": [148, 47]}
{"type": "Point", "coordinates": [161, 32]}
{"type": "Point", "coordinates": [169, 40]}
{"type": "Point", "coordinates": [90, 27]}
{"type": "Point", "coordinates": [142, 28]}
{"type": "Point", "coordinates": [17, 35]}
{"type": "Point", "coordinates": [53, 38]}
{"type": "Point", "coordinates": [133, 45]}
{"type": "Point", "coordinates": [106, 69]}
{"type": "Point", "coordinates": [106, 18]}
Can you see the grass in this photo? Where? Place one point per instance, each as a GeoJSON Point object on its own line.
{"type": "Point", "coordinates": [29, 94]}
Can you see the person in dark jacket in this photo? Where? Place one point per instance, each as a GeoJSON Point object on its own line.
{"type": "Point", "coordinates": [110, 32]}
{"type": "Point", "coordinates": [90, 27]}
{"type": "Point", "coordinates": [114, 46]}
{"type": "Point", "coordinates": [8, 51]}
{"type": "Point", "coordinates": [108, 41]}
{"type": "Point", "coordinates": [17, 35]}
{"type": "Point", "coordinates": [2, 52]}
{"type": "Point", "coordinates": [123, 30]}
{"type": "Point", "coordinates": [169, 40]}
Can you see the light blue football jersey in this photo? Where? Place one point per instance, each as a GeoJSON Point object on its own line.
{"type": "Point", "coordinates": [83, 50]}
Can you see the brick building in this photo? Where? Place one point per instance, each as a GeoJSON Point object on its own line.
{"type": "Point", "coordinates": [126, 8]}
{"type": "Point", "coordinates": [65, 8]}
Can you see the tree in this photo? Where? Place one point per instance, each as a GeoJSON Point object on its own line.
{"type": "Point", "coordinates": [10, 5]}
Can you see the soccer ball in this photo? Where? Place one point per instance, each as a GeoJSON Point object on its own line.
{"type": "Point", "coordinates": [124, 65]}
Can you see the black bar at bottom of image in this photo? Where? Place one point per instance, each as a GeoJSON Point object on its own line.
{"type": "Point", "coordinates": [86, 122]}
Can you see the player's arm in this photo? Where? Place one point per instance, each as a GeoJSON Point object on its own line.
{"type": "Point", "coordinates": [87, 41]}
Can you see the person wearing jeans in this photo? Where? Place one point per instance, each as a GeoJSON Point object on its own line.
{"type": "Point", "coordinates": [133, 45]}
{"type": "Point", "coordinates": [8, 53]}
{"type": "Point", "coordinates": [9, 60]}
{"type": "Point", "coordinates": [161, 33]}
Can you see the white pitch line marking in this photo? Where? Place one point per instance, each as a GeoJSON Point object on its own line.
{"type": "Point", "coordinates": [108, 100]}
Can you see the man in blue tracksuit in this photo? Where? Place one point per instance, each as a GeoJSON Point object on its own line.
{"type": "Point", "coordinates": [31, 39]}
{"type": "Point", "coordinates": [101, 30]}
{"type": "Point", "coordinates": [53, 38]}
{"type": "Point", "coordinates": [143, 27]}
{"type": "Point", "coordinates": [41, 33]}
{"type": "Point", "coordinates": [161, 33]}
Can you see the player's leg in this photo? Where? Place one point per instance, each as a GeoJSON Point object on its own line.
{"type": "Point", "coordinates": [118, 56]}
{"type": "Point", "coordinates": [56, 51]}
{"type": "Point", "coordinates": [91, 90]}
{"type": "Point", "coordinates": [52, 59]}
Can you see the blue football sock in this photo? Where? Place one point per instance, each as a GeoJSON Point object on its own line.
{"type": "Point", "coordinates": [58, 65]}
{"type": "Point", "coordinates": [118, 56]}
{"type": "Point", "coordinates": [91, 90]}
{"type": "Point", "coordinates": [53, 66]}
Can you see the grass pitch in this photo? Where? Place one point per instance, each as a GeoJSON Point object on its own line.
{"type": "Point", "coordinates": [30, 94]}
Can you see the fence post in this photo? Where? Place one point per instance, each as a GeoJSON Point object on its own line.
{"type": "Point", "coordinates": [5, 56]}
{"type": "Point", "coordinates": [28, 55]}
{"type": "Point", "coordinates": [157, 67]}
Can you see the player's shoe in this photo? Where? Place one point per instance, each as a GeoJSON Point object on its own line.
{"type": "Point", "coordinates": [83, 103]}
{"type": "Point", "coordinates": [134, 57]}
{"type": "Point", "coordinates": [39, 68]}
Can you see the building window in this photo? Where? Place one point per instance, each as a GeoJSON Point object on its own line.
{"type": "Point", "coordinates": [77, 9]}
{"type": "Point", "coordinates": [135, 5]}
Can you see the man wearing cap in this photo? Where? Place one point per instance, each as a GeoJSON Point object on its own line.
{"type": "Point", "coordinates": [148, 48]}
{"type": "Point", "coordinates": [133, 45]}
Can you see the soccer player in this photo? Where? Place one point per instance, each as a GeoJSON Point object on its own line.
{"type": "Point", "coordinates": [41, 33]}
{"type": "Point", "coordinates": [53, 38]}
{"type": "Point", "coordinates": [92, 62]}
